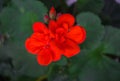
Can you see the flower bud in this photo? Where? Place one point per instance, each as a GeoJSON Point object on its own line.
{"type": "Point", "coordinates": [52, 13]}
{"type": "Point", "coordinates": [46, 18]}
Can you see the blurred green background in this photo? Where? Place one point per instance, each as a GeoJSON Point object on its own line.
{"type": "Point", "coordinates": [99, 59]}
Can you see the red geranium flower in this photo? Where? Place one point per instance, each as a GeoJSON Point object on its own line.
{"type": "Point", "coordinates": [67, 36]}
{"type": "Point", "coordinates": [61, 37]}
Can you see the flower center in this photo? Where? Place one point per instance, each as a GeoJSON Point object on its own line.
{"type": "Point", "coordinates": [46, 46]}
{"type": "Point", "coordinates": [60, 34]}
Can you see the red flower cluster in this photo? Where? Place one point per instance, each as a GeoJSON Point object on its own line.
{"type": "Point", "coordinates": [59, 38]}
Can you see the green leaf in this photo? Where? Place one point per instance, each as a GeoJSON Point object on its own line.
{"type": "Point", "coordinates": [94, 29]}
{"type": "Point", "coordinates": [112, 40]}
{"type": "Point", "coordinates": [90, 5]}
{"type": "Point", "coordinates": [33, 6]}
{"type": "Point", "coordinates": [17, 22]}
{"type": "Point", "coordinates": [24, 29]}
{"type": "Point", "coordinates": [94, 66]}
{"type": "Point", "coordinates": [18, 27]}
{"type": "Point", "coordinates": [8, 18]}
{"type": "Point", "coordinates": [104, 70]}
{"type": "Point", "coordinates": [24, 63]}
{"type": "Point", "coordinates": [77, 62]}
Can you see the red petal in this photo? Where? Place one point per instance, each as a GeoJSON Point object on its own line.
{"type": "Point", "coordinates": [34, 43]}
{"type": "Point", "coordinates": [66, 18]}
{"type": "Point", "coordinates": [52, 26]}
{"type": "Point", "coordinates": [57, 52]}
{"type": "Point", "coordinates": [69, 48]}
{"type": "Point", "coordinates": [40, 27]}
{"type": "Point", "coordinates": [45, 57]}
{"type": "Point", "coordinates": [77, 34]}
{"type": "Point", "coordinates": [32, 47]}
{"type": "Point", "coordinates": [44, 38]}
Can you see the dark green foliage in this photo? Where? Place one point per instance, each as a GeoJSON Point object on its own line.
{"type": "Point", "coordinates": [93, 63]}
